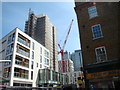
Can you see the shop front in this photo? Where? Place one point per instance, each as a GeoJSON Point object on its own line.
{"type": "Point", "coordinates": [103, 75]}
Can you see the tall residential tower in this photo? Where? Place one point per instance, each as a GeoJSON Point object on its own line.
{"type": "Point", "coordinates": [42, 30]}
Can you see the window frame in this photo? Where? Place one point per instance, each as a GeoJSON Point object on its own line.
{"type": "Point", "coordinates": [92, 14]}
{"type": "Point", "coordinates": [93, 33]}
{"type": "Point", "coordinates": [97, 59]}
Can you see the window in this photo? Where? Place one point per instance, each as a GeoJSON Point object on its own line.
{"type": "Point", "coordinates": [32, 65]}
{"type": "Point", "coordinates": [32, 55]}
{"type": "Point", "coordinates": [46, 61]}
{"type": "Point", "coordinates": [11, 38]}
{"type": "Point", "coordinates": [37, 65]}
{"type": "Point", "coordinates": [7, 63]}
{"type": "Point", "coordinates": [96, 30]}
{"type": "Point", "coordinates": [101, 54]}
{"type": "Point", "coordinates": [46, 54]}
{"type": "Point", "coordinates": [40, 50]}
{"type": "Point", "coordinates": [92, 11]}
{"type": "Point", "coordinates": [8, 57]}
{"type": "Point", "coordinates": [40, 59]}
{"type": "Point", "coordinates": [9, 49]}
{"type": "Point", "coordinates": [33, 45]}
{"type": "Point", "coordinates": [31, 75]}
{"type": "Point", "coordinates": [40, 65]}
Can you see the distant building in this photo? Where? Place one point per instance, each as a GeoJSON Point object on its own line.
{"type": "Point", "coordinates": [67, 55]}
{"type": "Point", "coordinates": [74, 76]}
{"type": "Point", "coordinates": [68, 65]}
{"type": "Point", "coordinates": [27, 57]}
{"type": "Point", "coordinates": [99, 31]}
{"type": "Point", "coordinates": [42, 30]}
{"type": "Point", "coordinates": [76, 57]}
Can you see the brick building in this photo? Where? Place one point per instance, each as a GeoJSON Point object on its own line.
{"type": "Point", "coordinates": [100, 42]}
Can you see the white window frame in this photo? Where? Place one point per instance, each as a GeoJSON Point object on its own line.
{"type": "Point", "coordinates": [91, 13]}
{"type": "Point", "coordinates": [97, 58]}
{"type": "Point", "coordinates": [99, 30]}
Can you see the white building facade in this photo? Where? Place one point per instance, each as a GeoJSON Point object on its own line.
{"type": "Point", "coordinates": [27, 57]}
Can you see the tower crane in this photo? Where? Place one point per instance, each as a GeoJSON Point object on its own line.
{"type": "Point", "coordinates": [62, 48]}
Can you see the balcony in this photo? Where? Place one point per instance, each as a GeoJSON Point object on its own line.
{"type": "Point", "coordinates": [23, 53]}
{"type": "Point", "coordinates": [23, 40]}
{"type": "Point", "coordinates": [21, 75]}
{"type": "Point", "coordinates": [22, 50]}
{"type": "Point", "coordinates": [21, 61]}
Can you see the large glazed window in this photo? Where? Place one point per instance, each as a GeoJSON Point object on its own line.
{"type": "Point", "coordinates": [92, 11]}
{"type": "Point", "coordinates": [11, 38]}
{"type": "Point", "coordinates": [100, 54]}
{"type": "Point", "coordinates": [9, 49]}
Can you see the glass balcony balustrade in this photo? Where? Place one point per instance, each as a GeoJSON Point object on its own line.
{"type": "Point", "coordinates": [20, 51]}
{"type": "Point", "coordinates": [23, 42]}
{"type": "Point", "coordinates": [19, 62]}
{"type": "Point", "coordinates": [21, 75]}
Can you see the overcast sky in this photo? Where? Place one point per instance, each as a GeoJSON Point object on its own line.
{"type": "Point", "coordinates": [60, 14]}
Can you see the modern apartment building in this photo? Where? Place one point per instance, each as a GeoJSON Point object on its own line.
{"type": "Point", "coordinates": [69, 67]}
{"type": "Point", "coordinates": [27, 57]}
{"type": "Point", "coordinates": [76, 57]}
{"type": "Point", "coordinates": [100, 42]}
{"type": "Point", "coordinates": [42, 30]}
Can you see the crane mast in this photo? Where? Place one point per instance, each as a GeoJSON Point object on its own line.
{"type": "Point", "coordinates": [62, 48]}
